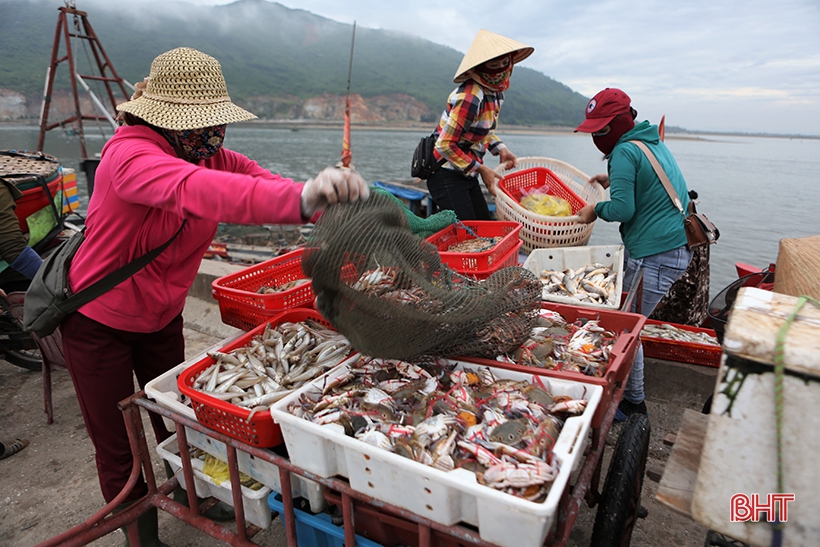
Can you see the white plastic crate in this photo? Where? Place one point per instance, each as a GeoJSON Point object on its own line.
{"type": "Point", "coordinates": [255, 501]}
{"type": "Point", "coordinates": [444, 497]}
{"type": "Point", "coordinates": [559, 258]}
{"type": "Point", "coordinates": [165, 391]}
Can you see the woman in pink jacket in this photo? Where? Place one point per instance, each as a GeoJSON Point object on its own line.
{"type": "Point", "coordinates": [164, 166]}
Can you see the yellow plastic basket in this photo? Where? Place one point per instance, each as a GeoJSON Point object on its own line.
{"type": "Point", "coordinates": [540, 231]}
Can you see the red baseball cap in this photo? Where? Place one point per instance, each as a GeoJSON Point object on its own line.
{"type": "Point", "coordinates": [602, 108]}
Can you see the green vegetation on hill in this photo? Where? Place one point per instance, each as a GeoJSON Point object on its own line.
{"type": "Point", "coordinates": [269, 50]}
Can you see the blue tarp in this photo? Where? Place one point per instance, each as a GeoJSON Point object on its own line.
{"type": "Point", "coordinates": [405, 193]}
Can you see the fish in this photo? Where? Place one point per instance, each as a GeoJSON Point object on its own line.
{"type": "Point", "coordinates": [671, 332]}
{"type": "Point", "coordinates": [593, 283]}
{"type": "Point", "coordinates": [273, 364]}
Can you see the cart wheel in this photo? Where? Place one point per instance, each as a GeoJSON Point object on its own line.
{"type": "Point", "coordinates": [621, 496]}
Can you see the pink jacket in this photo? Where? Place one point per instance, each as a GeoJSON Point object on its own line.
{"type": "Point", "coordinates": [142, 192]}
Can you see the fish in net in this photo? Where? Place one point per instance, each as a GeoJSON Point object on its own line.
{"type": "Point", "coordinates": [388, 292]}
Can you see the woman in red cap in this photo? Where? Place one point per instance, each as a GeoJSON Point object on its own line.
{"type": "Point", "coordinates": [651, 224]}
{"type": "Point", "coordinates": [467, 127]}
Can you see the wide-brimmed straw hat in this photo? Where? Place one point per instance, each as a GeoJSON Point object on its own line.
{"type": "Point", "coordinates": [489, 45]}
{"type": "Point", "coordinates": [185, 90]}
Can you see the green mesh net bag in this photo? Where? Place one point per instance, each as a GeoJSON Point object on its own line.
{"type": "Point", "coordinates": [422, 227]}
{"type": "Point", "coordinates": [388, 292]}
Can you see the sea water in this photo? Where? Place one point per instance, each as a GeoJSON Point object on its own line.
{"type": "Point", "coordinates": [757, 190]}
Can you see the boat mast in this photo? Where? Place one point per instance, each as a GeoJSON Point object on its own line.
{"type": "Point", "coordinates": [105, 74]}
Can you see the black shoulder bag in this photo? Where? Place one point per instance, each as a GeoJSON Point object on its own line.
{"type": "Point", "coordinates": [424, 161]}
{"type": "Point", "coordinates": [48, 298]}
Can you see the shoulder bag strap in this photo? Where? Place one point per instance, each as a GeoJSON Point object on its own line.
{"type": "Point", "coordinates": [673, 195]}
{"type": "Point", "coordinates": [76, 301]}
{"type": "Point", "coordinates": [58, 219]}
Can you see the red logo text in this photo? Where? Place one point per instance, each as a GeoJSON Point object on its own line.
{"type": "Point", "coordinates": [744, 508]}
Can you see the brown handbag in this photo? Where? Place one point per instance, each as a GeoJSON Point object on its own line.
{"type": "Point", "coordinates": [699, 229]}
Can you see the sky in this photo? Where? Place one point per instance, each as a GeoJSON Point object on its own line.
{"type": "Point", "coordinates": [708, 65]}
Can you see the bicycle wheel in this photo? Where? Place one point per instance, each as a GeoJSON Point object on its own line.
{"type": "Point", "coordinates": [29, 359]}
{"type": "Point", "coordinates": [621, 496]}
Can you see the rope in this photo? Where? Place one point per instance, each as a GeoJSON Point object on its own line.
{"type": "Point", "coordinates": [491, 242]}
{"type": "Point", "coordinates": [779, 372]}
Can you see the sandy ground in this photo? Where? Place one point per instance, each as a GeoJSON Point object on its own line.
{"type": "Point", "coordinates": [52, 485]}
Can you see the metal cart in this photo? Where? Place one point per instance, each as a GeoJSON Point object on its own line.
{"type": "Point", "coordinates": [618, 501]}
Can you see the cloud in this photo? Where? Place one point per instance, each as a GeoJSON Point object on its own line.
{"type": "Point", "coordinates": [713, 63]}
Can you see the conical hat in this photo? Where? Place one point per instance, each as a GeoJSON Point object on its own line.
{"type": "Point", "coordinates": [489, 45]}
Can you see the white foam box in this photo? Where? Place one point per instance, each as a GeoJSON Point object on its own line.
{"type": "Point", "coordinates": [740, 450]}
{"type": "Point", "coordinates": [164, 390]}
{"type": "Point", "coordinates": [255, 501]}
{"type": "Point", "coordinates": [444, 497]}
{"type": "Point", "coordinates": [560, 258]}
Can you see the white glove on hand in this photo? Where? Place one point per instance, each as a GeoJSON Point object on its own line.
{"type": "Point", "coordinates": [331, 186]}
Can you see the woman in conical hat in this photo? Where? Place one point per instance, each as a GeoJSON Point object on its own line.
{"type": "Point", "coordinates": [165, 176]}
{"type": "Point", "coordinates": [466, 130]}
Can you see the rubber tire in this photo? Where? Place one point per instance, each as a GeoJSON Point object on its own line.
{"type": "Point", "coordinates": [621, 496]}
{"type": "Point", "coordinates": [707, 406]}
{"type": "Point", "coordinates": [27, 359]}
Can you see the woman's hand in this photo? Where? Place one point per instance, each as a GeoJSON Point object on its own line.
{"type": "Point", "coordinates": [602, 179]}
{"type": "Point", "coordinates": [587, 214]}
{"type": "Point", "coordinates": [331, 186]}
{"type": "Point", "coordinates": [488, 176]}
{"type": "Point", "coordinates": [507, 158]}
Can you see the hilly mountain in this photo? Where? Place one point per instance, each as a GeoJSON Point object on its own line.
{"type": "Point", "coordinates": [280, 63]}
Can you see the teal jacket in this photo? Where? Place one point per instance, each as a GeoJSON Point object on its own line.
{"type": "Point", "coordinates": [650, 222]}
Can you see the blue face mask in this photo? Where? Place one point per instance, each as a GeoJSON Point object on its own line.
{"type": "Point", "coordinates": [197, 144]}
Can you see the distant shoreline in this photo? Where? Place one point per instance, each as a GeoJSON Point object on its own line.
{"type": "Point", "coordinates": [295, 125]}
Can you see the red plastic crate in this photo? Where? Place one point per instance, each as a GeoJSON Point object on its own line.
{"type": "Point", "coordinates": [682, 352]}
{"type": "Point", "coordinates": [242, 307]}
{"type": "Point", "coordinates": [535, 177]}
{"type": "Point", "coordinates": [389, 530]}
{"type": "Point", "coordinates": [510, 260]}
{"type": "Point", "coordinates": [481, 261]}
{"type": "Point", "coordinates": [228, 418]}
{"type": "Point", "coordinates": [626, 325]}
{"type": "Point", "coordinates": [35, 199]}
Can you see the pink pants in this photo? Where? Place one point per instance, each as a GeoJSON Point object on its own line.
{"type": "Point", "coordinates": [103, 362]}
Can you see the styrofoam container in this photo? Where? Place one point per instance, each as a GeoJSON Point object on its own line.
{"type": "Point", "coordinates": [255, 501]}
{"type": "Point", "coordinates": [740, 449]}
{"type": "Point", "coordinates": [444, 497]}
{"type": "Point", "coordinates": [164, 390]}
{"type": "Point", "coordinates": [560, 258]}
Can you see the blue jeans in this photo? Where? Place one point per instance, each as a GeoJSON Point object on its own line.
{"type": "Point", "coordinates": [660, 272]}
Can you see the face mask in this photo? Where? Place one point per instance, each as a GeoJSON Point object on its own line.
{"type": "Point", "coordinates": [197, 144]}
{"type": "Point", "coordinates": [619, 125]}
{"type": "Point", "coordinates": [496, 81]}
